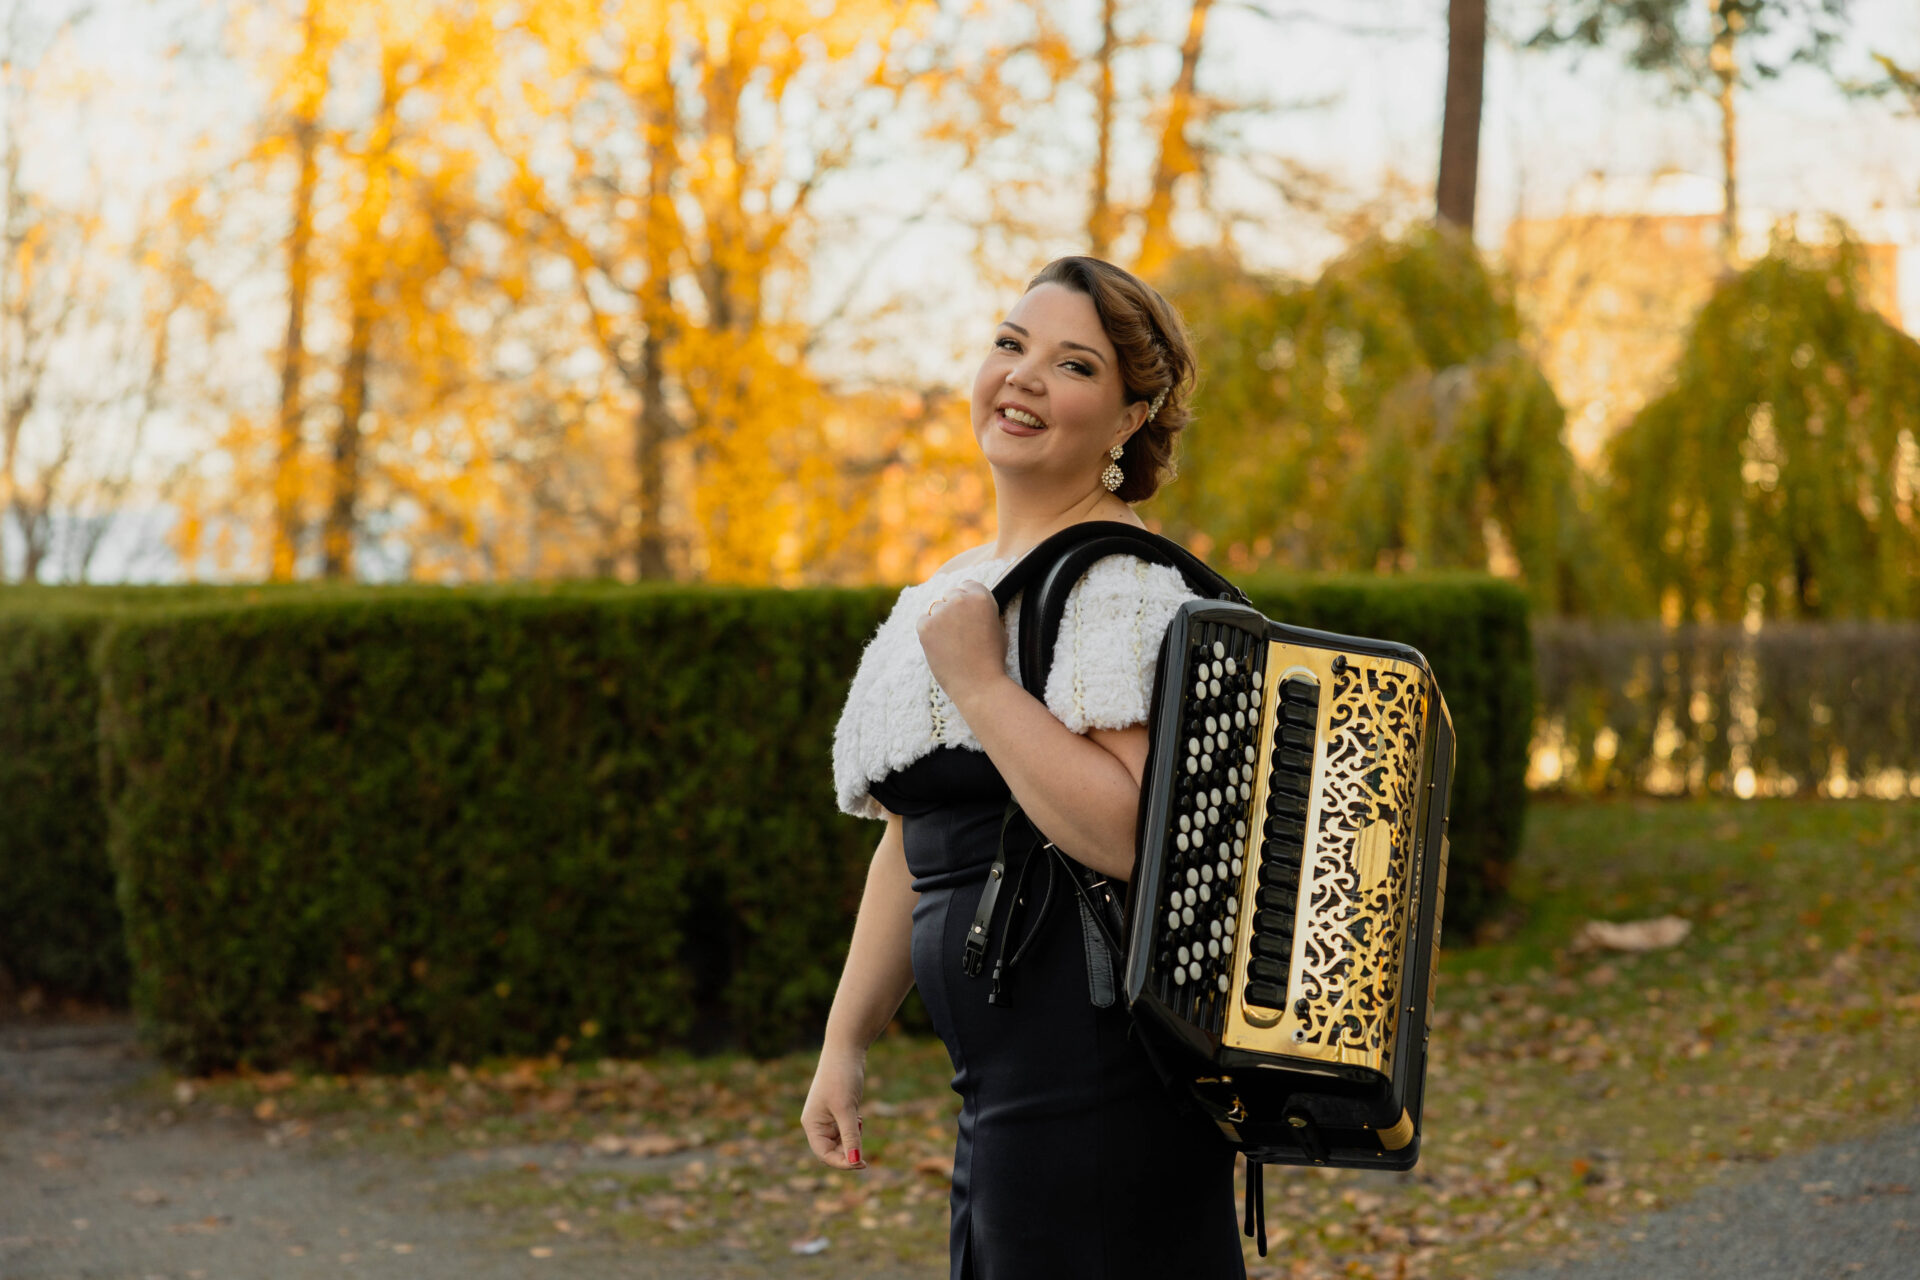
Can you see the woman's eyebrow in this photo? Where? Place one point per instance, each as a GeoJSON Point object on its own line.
{"type": "Point", "coordinates": [1077, 346]}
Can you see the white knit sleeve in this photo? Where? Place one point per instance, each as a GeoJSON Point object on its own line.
{"type": "Point", "coordinates": [1105, 657]}
{"type": "Point", "coordinates": [876, 713]}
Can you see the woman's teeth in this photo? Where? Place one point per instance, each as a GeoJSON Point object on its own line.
{"type": "Point", "coordinates": [1022, 417]}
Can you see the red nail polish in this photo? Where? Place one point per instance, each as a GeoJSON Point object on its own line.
{"type": "Point", "coordinates": [853, 1156]}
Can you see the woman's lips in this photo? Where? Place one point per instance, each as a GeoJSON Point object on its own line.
{"type": "Point", "coordinates": [1014, 428]}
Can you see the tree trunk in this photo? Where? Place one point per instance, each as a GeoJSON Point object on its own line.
{"type": "Point", "coordinates": [1726, 30]}
{"type": "Point", "coordinates": [1460, 124]}
{"type": "Point", "coordinates": [1100, 216]}
{"type": "Point", "coordinates": [286, 460]}
{"type": "Point", "coordinates": [654, 424]}
{"type": "Point", "coordinates": [344, 499]}
{"type": "Point", "coordinates": [1176, 158]}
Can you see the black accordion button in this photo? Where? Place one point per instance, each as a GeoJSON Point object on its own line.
{"type": "Point", "coordinates": [1264, 969]}
{"type": "Point", "coordinates": [1295, 735]}
{"type": "Point", "coordinates": [1288, 760]}
{"type": "Point", "coordinates": [1276, 923]}
{"type": "Point", "coordinates": [1304, 691]}
{"type": "Point", "coordinates": [1276, 895]}
{"type": "Point", "coordinates": [1299, 713]}
{"type": "Point", "coordinates": [1266, 995]}
{"type": "Point", "coordinates": [1270, 947]}
{"type": "Point", "coordinates": [1287, 829]}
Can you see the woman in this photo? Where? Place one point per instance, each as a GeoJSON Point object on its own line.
{"type": "Point", "coordinates": [1071, 1159]}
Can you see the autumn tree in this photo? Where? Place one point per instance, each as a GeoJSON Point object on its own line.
{"type": "Point", "coordinates": [1781, 469]}
{"type": "Point", "coordinates": [699, 140]}
{"type": "Point", "coordinates": [85, 324]}
{"type": "Point", "coordinates": [1740, 43]}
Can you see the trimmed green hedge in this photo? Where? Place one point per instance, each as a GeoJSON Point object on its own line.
{"type": "Point", "coordinates": [390, 826]}
{"type": "Point", "coordinates": [59, 925]}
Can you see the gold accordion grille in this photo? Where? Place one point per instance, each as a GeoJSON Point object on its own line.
{"type": "Point", "coordinates": [1357, 879]}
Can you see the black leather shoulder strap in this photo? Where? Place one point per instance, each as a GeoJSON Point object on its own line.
{"type": "Point", "coordinates": [1048, 573]}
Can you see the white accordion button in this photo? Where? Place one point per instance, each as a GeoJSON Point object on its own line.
{"type": "Point", "coordinates": [1240, 719]}
{"type": "Point", "coordinates": [1173, 919]}
{"type": "Point", "coordinates": [1186, 915]}
{"type": "Point", "coordinates": [1180, 842]}
{"type": "Point", "coordinates": [1219, 650]}
{"type": "Point", "coordinates": [1213, 816]}
{"type": "Point", "coordinates": [1194, 970]}
{"type": "Point", "coordinates": [1243, 701]}
{"type": "Point", "coordinates": [1220, 872]}
{"type": "Point", "coordinates": [1199, 688]}
{"type": "Point", "coordinates": [1213, 725]}
{"type": "Point", "coordinates": [1255, 695]}
{"type": "Point", "coordinates": [1206, 893]}
{"type": "Point", "coordinates": [1223, 984]}
{"type": "Point", "coordinates": [1206, 875]}
{"type": "Point", "coordinates": [1214, 797]}
{"type": "Point", "coordinates": [1233, 907]}
{"type": "Point", "coordinates": [1186, 823]}
{"type": "Point", "coordinates": [1193, 765]}
{"type": "Point", "coordinates": [1213, 949]}
{"type": "Point", "coordinates": [1213, 687]}
{"type": "Point", "coordinates": [1230, 667]}
{"type": "Point", "coordinates": [1193, 746]}
{"type": "Point", "coordinates": [1193, 877]}
{"type": "Point", "coordinates": [1213, 927]}
{"type": "Point", "coordinates": [1180, 975]}
{"type": "Point", "coordinates": [1173, 900]}
{"type": "Point", "coordinates": [1206, 761]}
{"type": "Point", "coordinates": [1199, 819]}
{"type": "Point", "coordinates": [1190, 897]}
{"type": "Point", "coordinates": [1182, 955]}
{"type": "Point", "coordinates": [1237, 866]}
{"type": "Point", "coordinates": [1233, 774]}
{"type": "Point", "coordinates": [1239, 832]}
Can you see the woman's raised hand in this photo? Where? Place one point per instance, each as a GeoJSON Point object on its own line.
{"type": "Point", "coordinates": [964, 639]}
{"type": "Point", "coordinates": [831, 1115]}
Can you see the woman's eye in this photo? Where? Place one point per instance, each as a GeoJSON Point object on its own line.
{"type": "Point", "coordinates": [1006, 344]}
{"type": "Point", "coordinates": [1079, 368]}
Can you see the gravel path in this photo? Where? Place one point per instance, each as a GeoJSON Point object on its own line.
{"type": "Point", "coordinates": [94, 1188]}
{"type": "Point", "coordinates": [91, 1188]}
{"type": "Point", "coordinates": [1850, 1211]}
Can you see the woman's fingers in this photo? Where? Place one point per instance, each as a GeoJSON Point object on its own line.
{"type": "Point", "coordinates": [831, 1119]}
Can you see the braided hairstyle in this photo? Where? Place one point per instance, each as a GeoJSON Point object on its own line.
{"type": "Point", "coordinates": [1156, 362]}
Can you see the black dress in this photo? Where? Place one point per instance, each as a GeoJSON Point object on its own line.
{"type": "Point", "coordinates": [1072, 1160]}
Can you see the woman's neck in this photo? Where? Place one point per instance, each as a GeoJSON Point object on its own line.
{"type": "Point", "coordinates": [1024, 521]}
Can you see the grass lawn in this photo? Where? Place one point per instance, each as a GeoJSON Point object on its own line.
{"type": "Point", "coordinates": [1568, 1091]}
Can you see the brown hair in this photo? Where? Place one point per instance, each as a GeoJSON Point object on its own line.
{"type": "Point", "coordinates": [1154, 354]}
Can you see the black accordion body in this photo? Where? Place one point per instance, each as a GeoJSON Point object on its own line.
{"type": "Point", "coordinates": [1284, 917]}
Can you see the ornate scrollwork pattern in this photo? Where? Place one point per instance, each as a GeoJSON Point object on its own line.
{"type": "Point", "coordinates": [1359, 883]}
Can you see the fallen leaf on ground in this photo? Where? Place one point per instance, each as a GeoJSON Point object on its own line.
{"type": "Point", "coordinates": [807, 1248]}
{"type": "Point", "coordinates": [935, 1167]}
{"type": "Point", "coordinates": [1656, 934]}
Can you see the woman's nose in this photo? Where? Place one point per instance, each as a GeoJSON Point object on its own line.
{"type": "Point", "coordinates": [1025, 374]}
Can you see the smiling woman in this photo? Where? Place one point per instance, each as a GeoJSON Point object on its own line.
{"type": "Point", "coordinates": [1070, 1158]}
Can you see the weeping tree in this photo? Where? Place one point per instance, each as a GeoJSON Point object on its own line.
{"type": "Point", "coordinates": [1384, 417]}
{"type": "Point", "coordinates": [1781, 468]}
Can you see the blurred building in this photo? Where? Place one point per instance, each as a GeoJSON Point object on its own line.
{"type": "Point", "coordinates": [1608, 287]}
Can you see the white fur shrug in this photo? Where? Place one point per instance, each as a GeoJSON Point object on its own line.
{"type": "Point", "coordinates": [1102, 674]}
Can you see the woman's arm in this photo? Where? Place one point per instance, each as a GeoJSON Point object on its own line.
{"type": "Point", "coordinates": [1083, 792]}
{"type": "Point", "coordinates": [877, 977]}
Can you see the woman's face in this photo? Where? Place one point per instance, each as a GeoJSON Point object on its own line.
{"type": "Point", "coordinates": [1048, 401]}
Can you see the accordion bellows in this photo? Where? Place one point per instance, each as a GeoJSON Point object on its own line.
{"type": "Point", "coordinates": [1286, 905]}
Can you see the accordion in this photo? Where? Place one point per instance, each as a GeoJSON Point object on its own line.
{"type": "Point", "coordinates": [1283, 920]}
{"type": "Point", "coordinates": [1284, 916]}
